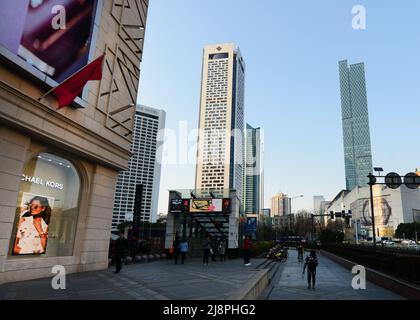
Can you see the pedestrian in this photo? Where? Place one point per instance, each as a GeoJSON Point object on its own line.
{"type": "Point", "coordinates": [132, 245]}
{"type": "Point", "coordinates": [300, 252]}
{"type": "Point", "coordinates": [222, 250]}
{"type": "Point", "coordinates": [247, 250]}
{"type": "Point", "coordinates": [121, 246]}
{"type": "Point", "coordinates": [311, 262]}
{"type": "Point", "coordinates": [206, 250]}
{"type": "Point", "coordinates": [213, 251]}
{"type": "Point", "coordinates": [183, 248]}
{"type": "Point", "coordinates": [175, 245]}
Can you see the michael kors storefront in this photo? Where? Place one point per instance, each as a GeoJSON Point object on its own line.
{"type": "Point", "coordinates": [58, 168]}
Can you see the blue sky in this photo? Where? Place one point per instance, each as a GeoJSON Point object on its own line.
{"type": "Point", "coordinates": [291, 50]}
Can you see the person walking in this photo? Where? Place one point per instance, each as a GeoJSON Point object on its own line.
{"type": "Point", "coordinates": [132, 245]}
{"type": "Point", "coordinates": [247, 250]}
{"type": "Point", "coordinates": [300, 252]}
{"type": "Point", "coordinates": [213, 247]}
{"type": "Point", "coordinates": [311, 262]}
{"type": "Point", "coordinates": [183, 248]}
{"type": "Point", "coordinates": [175, 245]}
{"type": "Point", "coordinates": [121, 246]}
{"type": "Point", "coordinates": [222, 250]}
{"type": "Point", "coordinates": [206, 250]}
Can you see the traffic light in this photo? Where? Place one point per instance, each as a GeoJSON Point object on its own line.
{"type": "Point", "coordinates": [332, 215]}
{"type": "Point", "coordinates": [372, 179]}
{"type": "Point", "coordinates": [338, 214]}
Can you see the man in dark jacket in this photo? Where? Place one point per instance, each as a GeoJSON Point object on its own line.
{"type": "Point", "coordinates": [311, 262]}
{"type": "Point", "coordinates": [121, 246]}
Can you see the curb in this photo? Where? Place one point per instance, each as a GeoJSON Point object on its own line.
{"type": "Point", "coordinates": [255, 286]}
{"type": "Point", "coordinates": [401, 287]}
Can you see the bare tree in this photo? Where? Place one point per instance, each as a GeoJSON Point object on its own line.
{"type": "Point", "coordinates": [302, 225]}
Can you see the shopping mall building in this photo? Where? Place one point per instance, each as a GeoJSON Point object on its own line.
{"type": "Point", "coordinates": [58, 168]}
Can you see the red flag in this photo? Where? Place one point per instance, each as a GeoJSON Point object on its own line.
{"type": "Point", "coordinates": [70, 88]}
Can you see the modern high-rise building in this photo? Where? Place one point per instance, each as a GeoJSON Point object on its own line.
{"type": "Point", "coordinates": [221, 123]}
{"type": "Point", "coordinates": [253, 197]}
{"type": "Point", "coordinates": [143, 168]}
{"type": "Point", "coordinates": [280, 205]}
{"type": "Point", "coordinates": [356, 135]}
{"type": "Point", "coordinates": [317, 204]}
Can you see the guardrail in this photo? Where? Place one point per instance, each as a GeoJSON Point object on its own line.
{"type": "Point", "coordinates": [397, 263]}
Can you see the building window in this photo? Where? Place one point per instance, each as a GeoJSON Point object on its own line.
{"type": "Point", "coordinates": [47, 208]}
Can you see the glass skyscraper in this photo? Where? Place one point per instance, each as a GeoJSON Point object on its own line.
{"type": "Point", "coordinates": [253, 197]}
{"type": "Point", "coordinates": [356, 135]}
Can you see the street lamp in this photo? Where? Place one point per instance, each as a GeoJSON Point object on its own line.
{"type": "Point", "coordinates": [290, 205]}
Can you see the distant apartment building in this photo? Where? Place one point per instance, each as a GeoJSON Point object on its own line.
{"type": "Point", "coordinates": [280, 205]}
{"type": "Point", "coordinates": [144, 168]}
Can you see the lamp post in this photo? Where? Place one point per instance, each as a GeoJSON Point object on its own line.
{"type": "Point", "coordinates": [372, 181]}
{"type": "Point", "coordinates": [290, 204]}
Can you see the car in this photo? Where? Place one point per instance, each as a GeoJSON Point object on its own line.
{"type": "Point", "coordinates": [388, 243]}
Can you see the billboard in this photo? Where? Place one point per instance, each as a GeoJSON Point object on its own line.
{"type": "Point", "coordinates": [206, 205]}
{"type": "Point", "coordinates": [179, 205]}
{"type": "Point", "coordinates": [251, 225]}
{"type": "Point", "coordinates": [53, 36]}
{"type": "Point", "coordinates": [382, 207]}
{"type": "Point", "coordinates": [33, 224]}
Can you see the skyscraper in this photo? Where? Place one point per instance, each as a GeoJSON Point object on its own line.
{"type": "Point", "coordinates": [144, 168]}
{"type": "Point", "coordinates": [356, 135]}
{"type": "Point", "coordinates": [253, 196]}
{"type": "Point", "coordinates": [280, 205]}
{"type": "Point", "coordinates": [221, 123]}
{"type": "Point", "coordinates": [317, 204]}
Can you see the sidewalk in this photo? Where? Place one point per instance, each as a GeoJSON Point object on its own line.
{"type": "Point", "coordinates": [159, 280]}
{"type": "Point", "coordinates": [333, 282]}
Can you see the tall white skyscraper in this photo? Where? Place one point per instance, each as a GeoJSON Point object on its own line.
{"type": "Point", "coordinates": [144, 168]}
{"type": "Point", "coordinates": [221, 123]}
{"type": "Point", "coordinates": [253, 196]}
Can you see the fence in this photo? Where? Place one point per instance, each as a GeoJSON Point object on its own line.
{"type": "Point", "coordinates": [400, 264]}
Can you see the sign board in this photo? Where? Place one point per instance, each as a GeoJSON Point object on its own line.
{"type": "Point", "coordinates": [412, 180]}
{"type": "Point", "coordinates": [206, 205]}
{"type": "Point", "coordinates": [393, 180]}
{"type": "Point", "coordinates": [251, 225]}
{"type": "Point", "coordinates": [179, 205]}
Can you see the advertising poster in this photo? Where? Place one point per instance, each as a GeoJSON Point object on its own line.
{"type": "Point", "coordinates": [179, 205]}
{"type": "Point", "coordinates": [382, 208]}
{"type": "Point", "coordinates": [251, 225]}
{"type": "Point", "coordinates": [54, 36]}
{"type": "Point", "coordinates": [32, 226]}
{"type": "Point", "coordinates": [206, 205]}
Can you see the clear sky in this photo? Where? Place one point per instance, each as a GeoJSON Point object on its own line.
{"type": "Point", "coordinates": [291, 50]}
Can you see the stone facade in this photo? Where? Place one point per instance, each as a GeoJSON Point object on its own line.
{"type": "Point", "coordinates": [96, 138]}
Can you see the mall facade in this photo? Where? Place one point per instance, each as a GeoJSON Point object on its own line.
{"type": "Point", "coordinates": [58, 168]}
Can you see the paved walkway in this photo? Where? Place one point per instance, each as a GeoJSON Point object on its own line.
{"type": "Point", "coordinates": [333, 282]}
{"type": "Point", "coordinates": [159, 280]}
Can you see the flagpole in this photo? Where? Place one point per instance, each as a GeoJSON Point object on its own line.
{"type": "Point", "coordinates": [49, 91]}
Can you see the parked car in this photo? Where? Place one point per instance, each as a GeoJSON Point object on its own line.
{"type": "Point", "coordinates": [388, 243]}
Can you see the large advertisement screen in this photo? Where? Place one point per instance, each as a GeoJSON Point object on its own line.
{"type": "Point", "coordinates": [179, 205]}
{"type": "Point", "coordinates": [54, 36]}
{"type": "Point", "coordinates": [32, 229]}
{"type": "Point", "coordinates": [206, 205]}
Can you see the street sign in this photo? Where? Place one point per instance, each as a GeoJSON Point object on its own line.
{"type": "Point", "coordinates": [393, 180]}
{"type": "Point", "coordinates": [412, 180]}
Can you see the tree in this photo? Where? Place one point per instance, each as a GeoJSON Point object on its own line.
{"type": "Point", "coordinates": [407, 230]}
{"type": "Point", "coordinates": [303, 223]}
